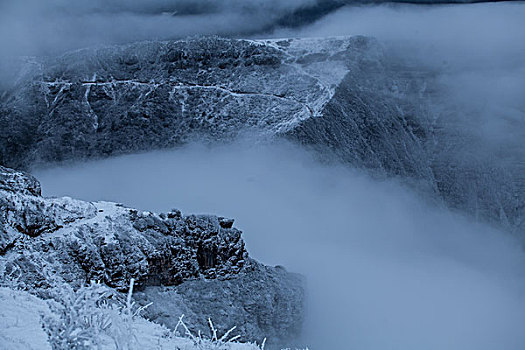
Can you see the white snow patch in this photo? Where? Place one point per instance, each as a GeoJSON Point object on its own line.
{"type": "Point", "coordinates": [20, 327]}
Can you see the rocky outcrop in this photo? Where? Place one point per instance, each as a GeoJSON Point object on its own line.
{"type": "Point", "coordinates": [18, 182]}
{"type": "Point", "coordinates": [50, 241]}
{"type": "Point", "coordinates": [24, 213]}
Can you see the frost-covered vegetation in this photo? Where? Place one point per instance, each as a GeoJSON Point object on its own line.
{"type": "Point", "coordinates": [96, 317]}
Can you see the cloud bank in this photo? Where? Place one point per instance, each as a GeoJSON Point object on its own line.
{"type": "Point", "coordinates": [46, 27]}
{"type": "Point", "coordinates": [386, 269]}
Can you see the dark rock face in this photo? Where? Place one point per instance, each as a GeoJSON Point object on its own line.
{"type": "Point", "coordinates": [375, 120]}
{"type": "Point", "coordinates": [49, 241]}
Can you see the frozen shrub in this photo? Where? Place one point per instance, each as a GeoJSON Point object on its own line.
{"type": "Point", "coordinates": [90, 317]}
{"type": "Point", "coordinates": [80, 318]}
{"type": "Point", "coordinates": [97, 317]}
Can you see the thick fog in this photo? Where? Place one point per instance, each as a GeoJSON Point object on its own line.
{"type": "Point", "coordinates": [476, 51]}
{"type": "Point", "coordinates": [48, 27]}
{"type": "Point", "coordinates": [385, 269]}
{"type": "Point", "coordinates": [37, 27]}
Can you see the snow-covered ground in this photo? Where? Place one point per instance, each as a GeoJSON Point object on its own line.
{"type": "Point", "coordinates": [20, 325]}
{"type": "Point", "coordinates": [22, 317]}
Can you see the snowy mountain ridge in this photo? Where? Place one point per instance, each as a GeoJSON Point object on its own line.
{"type": "Point", "coordinates": [213, 87]}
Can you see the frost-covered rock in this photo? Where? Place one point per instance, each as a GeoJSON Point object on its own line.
{"type": "Point", "coordinates": [19, 182]}
{"type": "Point", "coordinates": [48, 242]}
{"type": "Point", "coordinates": [99, 102]}
{"type": "Point", "coordinates": [258, 290]}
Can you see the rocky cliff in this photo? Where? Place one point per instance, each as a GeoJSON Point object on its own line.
{"type": "Point", "coordinates": [197, 265]}
{"type": "Point", "coordinates": [99, 102]}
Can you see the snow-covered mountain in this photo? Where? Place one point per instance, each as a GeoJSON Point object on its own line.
{"type": "Point", "coordinates": [345, 97]}
{"type": "Point", "coordinates": [162, 94]}
{"type": "Point", "coordinates": [192, 265]}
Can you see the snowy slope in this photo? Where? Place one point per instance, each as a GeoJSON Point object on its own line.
{"type": "Point", "coordinates": [20, 325]}
{"type": "Point", "coordinates": [22, 317]}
